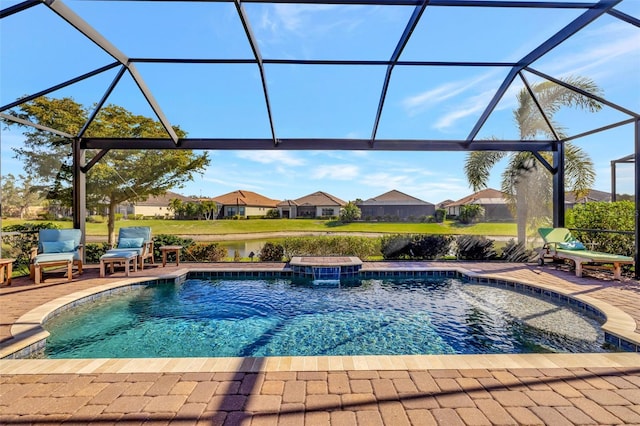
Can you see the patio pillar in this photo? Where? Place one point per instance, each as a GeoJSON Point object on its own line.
{"type": "Point", "coordinates": [558, 186]}
{"type": "Point", "coordinates": [79, 190]}
{"type": "Point", "coordinates": [636, 169]}
{"type": "Point", "coordinates": [613, 182]}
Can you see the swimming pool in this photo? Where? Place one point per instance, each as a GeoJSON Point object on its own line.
{"type": "Point", "coordinates": [278, 317]}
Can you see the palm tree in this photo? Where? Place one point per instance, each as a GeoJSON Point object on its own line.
{"type": "Point", "coordinates": [526, 183]}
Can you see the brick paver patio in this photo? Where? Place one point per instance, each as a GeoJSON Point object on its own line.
{"type": "Point", "coordinates": [527, 389]}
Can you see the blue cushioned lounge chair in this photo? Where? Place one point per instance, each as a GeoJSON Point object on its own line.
{"type": "Point", "coordinates": [137, 239]}
{"type": "Point", "coordinates": [56, 247]}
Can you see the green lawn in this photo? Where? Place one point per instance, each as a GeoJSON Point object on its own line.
{"type": "Point", "coordinates": [221, 227]}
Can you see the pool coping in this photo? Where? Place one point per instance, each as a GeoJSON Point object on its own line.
{"type": "Point", "coordinates": [30, 336]}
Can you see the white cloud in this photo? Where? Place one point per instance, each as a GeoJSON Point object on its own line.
{"type": "Point", "coordinates": [270, 157]}
{"type": "Point", "coordinates": [617, 43]}
{"type": "Point", "coordinates": [293, 17]}
{"type": "Point", "coordinates": [335, 172]}
{"type": "Point", "coordinates": [416, 104]}
{"type": "Point", "coordinates": [471, 106]}
{"type": "Point", "coordinates": [417, 185]}
{"type": "Point", "coordinates": [421, 101]}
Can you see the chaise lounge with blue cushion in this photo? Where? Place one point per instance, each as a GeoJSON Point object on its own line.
{"type": "Point", "coordinates": [560, 244]}
{"type": "Point", "coordinates": [56, 247]}
{"type": "Point", "coordinates": [136, 239]}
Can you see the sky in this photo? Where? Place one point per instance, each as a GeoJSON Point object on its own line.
{"type": "Point", "coordinates": [226, 100]}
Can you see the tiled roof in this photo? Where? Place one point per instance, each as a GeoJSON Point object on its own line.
{"type": "Point", "coordinates": [245, 198]}
{"type": "Point", "coordinates": [286, 203]}
{"type": "Point", "coordinates": [592, 195]}
{"type": "Point", "coordinates": [319, 198]}
{"type": "Point", "coordinates": [395, 197]}
{"type": "Point", "coordinates": [444, 203]}
{"type": "Point", "coordinates": [485, 196]}
{"type": "Point", "coordinates": [163, 200]}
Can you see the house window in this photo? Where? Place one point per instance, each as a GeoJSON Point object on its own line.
{"type": "Point", "coordinates": [233, 211]}
{"type": "Point", "coordinates": [327, 212]}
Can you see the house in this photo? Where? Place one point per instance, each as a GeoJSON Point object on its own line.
{"type": "Point", "coordinates": [154, 205]}
{"type": "Point", "coordinates": [570, 199]}
{"type": "Point", "coordinates": [395, 204]}
{"type": "Point", "coordinates": [493, 201]}
{"type": "Point", "coordinates": [244, 204]}
{"type": "Point", "coordinates": [318, 204]}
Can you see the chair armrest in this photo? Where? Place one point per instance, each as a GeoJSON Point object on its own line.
{"type": "Point", "coordinates": [33, 253]}
{"type": "Point", "coordinates": [81, 251]}
{"type": "Point", "coordinates": [148, 248]}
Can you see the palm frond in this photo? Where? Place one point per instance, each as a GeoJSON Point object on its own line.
{"type": "Point", "coordinates": [478, 165]}
{"type": "Point", "coordinates": [580, 174]}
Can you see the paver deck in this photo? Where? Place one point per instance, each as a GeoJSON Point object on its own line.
{"type": "Point", "coordinates": [552, 389]}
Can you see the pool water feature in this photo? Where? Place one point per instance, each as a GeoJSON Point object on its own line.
{"type": "Point", "coordinates": [278, 317]}
{"type": "Point", "coordinates": [326, 273]}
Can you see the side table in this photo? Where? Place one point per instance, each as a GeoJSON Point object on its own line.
{"type": "Point", "coordinates": [6, 269]}
{"type": "Point", "coordinates": [170, 249]}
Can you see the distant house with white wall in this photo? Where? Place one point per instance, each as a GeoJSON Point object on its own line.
{"type": "Point", "coordinates": [318, 204]}
{"type": "Point", "coordinates": [155, 205]}
{"type": "Point", "coordinates": [244, 204]}
{"type": "Point", "coordinates": [395, 204]}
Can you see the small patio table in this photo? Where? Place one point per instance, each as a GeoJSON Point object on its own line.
{"type": "Point", "coordinates": [6, 269]}
{"type": "Point", "coordinates": [124, 257]}
{"type": "Point", "coordinates": [170, 249]}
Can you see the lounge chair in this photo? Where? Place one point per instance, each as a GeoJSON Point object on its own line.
{"type": "Point", "coordinates": [137, 239]}
{"type": "Point", "coordinates": [56, 247]}
{"type": "Point", "coordinates": [560, 244]}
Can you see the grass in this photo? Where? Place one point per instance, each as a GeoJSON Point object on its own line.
{"type": "Point", "coordinates": [221, 227]}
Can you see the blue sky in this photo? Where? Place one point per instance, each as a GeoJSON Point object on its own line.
{"type": "Point", "coordinates": [327, 101]}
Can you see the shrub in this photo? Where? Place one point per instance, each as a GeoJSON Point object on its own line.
{"type": "Point", "coordinates": [618, 216]}
{"type": "Point", "coordinates": [416, 246]}
{"type": "Point", "coordinates": [236, 256]}
{"type": "Point", "coordinates": [350, 212]}
{"type": "Point", "coordinates": [361, 247]}
{"type": "Point", "coordinates": [429, 246]}
{"type": "Point", "coordinates": [170, 240]}
{"type": "Point", "coordinates": [272, 214]}
{"type": "Point", "coordinates": [395, 246]}
{"type": "Point", "coordinates": [21, 243]}
{"type": "Point", "coordinates": [271, 252]}
{"type": "Point", "coordinates": [517, 252]}
{"type": "Point", "coordinates": [472, 247]}
{"type": "Point", "coordinates": [428, 219]}
{"type": "Point", "coordinates": [470, 213]}
{"type": "Point", "coordinates": [93, 251]}
{"type": "Point", "coordinates": [207, 252]}
{"type": "Point", "coordinates": [440, 215]}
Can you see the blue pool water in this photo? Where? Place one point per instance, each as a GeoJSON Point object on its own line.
{"type": "Point", "coordinates": [223, 318]}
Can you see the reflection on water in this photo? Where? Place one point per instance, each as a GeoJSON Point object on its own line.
{"type": "Point", "coordinates": [244, 247]}
{"type": "Point", "coordinates": [279, 317]}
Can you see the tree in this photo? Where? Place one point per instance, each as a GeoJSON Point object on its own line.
{"type": "Point", "coordinates": [18, 195]}
{"type": "Point", "coordinates": [176, 206]}
{"type": "Point", "coordinates": [524, 180]}
{"type": "Point", "coordinates": [208, 209]}
{"type": "Point", "coordinates": [470, 213]}
{"type": "Point", "coordinates": [350, 212]}
{"type": "Point", "coordinates": [121, 175]}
